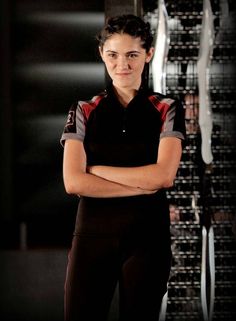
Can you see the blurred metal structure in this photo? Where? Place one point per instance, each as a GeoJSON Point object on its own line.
{"type": "Point", "coordinates": [161, 50]}
{"type": "Point", "coordinates": [206, 125]}
{"type": "Point", "coordinates": [205, 181]}
{"type": "Point", "coordinates": [49, 57]}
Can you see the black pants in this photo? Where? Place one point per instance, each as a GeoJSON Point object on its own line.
{"type": "Point", "coordinates": [139, 259]}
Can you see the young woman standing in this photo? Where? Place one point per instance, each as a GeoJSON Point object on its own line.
{"type": "Point", "coordinates": [122, 150]}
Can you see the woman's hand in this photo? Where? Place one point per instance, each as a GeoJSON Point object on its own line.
{"type": "Point", "coordinates": [79, 180]}
{"type": "Point", "coordinates": [97, 170]}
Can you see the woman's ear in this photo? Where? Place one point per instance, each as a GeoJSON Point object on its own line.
{"type": "Point", "coordinates": [100, 51]}
{"type": "Point", "coordinates": [149, 55]}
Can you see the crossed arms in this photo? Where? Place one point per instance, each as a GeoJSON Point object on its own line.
{"type": "Point", "coordinates": [109, 181]}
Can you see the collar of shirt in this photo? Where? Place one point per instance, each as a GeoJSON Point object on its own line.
{"type": "Point", "coordinates": [143, 91]}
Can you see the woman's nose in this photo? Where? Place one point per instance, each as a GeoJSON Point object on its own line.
{"type": "Point", "coordinates": [122, 62]}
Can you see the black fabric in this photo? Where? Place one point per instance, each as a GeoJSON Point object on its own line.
{"type": "Point", "coordinates": [125, 239]}
{"type": "Point", "coordinates": [131, 247]}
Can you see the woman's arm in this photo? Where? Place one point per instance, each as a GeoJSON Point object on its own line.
{"type": "Point", "coordinates": [78, 182]}
{"type": "Point", "coordinates": [148, 177]}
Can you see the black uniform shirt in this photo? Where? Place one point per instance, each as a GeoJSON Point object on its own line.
{"type": "Point", "coordinates": [124, 136]}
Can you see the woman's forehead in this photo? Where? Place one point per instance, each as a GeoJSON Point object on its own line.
{"type": "Point", "coordinates": [123, 41]}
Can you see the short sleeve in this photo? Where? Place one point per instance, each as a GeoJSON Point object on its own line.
{"type": "Point", "coordinates": [174, 121]}
{"type": "Point", "coordinates": [75, 124]}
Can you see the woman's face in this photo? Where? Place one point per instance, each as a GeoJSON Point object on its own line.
{"type": "Point", "coordinates": [125, 58]}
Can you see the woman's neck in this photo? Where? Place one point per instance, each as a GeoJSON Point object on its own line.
{"type": "Point", "coordinates": [125, 95]}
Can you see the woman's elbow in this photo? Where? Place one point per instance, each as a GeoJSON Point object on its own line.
{"type": "Point", "coordinates": [168, 183]}
{"type": "Point", "coordinates": [69, 188]}
{"type": "Point", "coordinates": [168, 179]}
{"type": "Point", "coordinates": [165, 182]}
{"type": "Point", "coordinates": [72, 187]}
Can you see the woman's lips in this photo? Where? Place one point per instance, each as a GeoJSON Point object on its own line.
{"type": "Point", "coordinates": [123, 73]}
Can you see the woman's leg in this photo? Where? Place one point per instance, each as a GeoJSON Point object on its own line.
{"type": "Point", "coordinates": [91, 278]}
{"type": "Point", "coordinates": [144, 279]}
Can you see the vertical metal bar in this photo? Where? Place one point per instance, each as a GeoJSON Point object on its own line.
{"type": "Point", "coordinates": [203, 66]}
{"type": "Point", "coordinates": [161, 50]}
{"type": "Point", "coordinates": [206, 126]}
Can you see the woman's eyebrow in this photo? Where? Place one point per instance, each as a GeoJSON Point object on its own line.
{"type": "Point", "coordinates": [128, 52]}
{"type": "Point", "coordinates": [133, 51]}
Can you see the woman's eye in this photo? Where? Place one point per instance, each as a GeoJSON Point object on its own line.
{"type": "Point", "coordinates": [112, 55]}
{"type": "Point", "coordinates": [132, 55]}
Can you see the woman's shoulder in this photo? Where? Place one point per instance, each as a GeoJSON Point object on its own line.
{"type": "Point", "coordinates": [93, 101]}
{"type": "Point", "coordinates": [157, 96]}
{"type": "Point", "coordinates": [85, 107]}
{"type": "Point", "coordinates": [158, 99]}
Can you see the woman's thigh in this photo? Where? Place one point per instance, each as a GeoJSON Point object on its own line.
{"type": "Point", "coordinates": [91, 278]}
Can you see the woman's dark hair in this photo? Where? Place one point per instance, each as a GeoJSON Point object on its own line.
{"type": "Point", "coordinates": [129, 24]}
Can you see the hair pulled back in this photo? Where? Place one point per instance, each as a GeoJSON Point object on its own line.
{"type": "Point", "coordinates": [128, 24]}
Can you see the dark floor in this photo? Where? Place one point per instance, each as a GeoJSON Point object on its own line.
{"type": "Point", "coordinates": [31, 285]}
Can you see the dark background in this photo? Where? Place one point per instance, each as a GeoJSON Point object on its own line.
{"type": "Point", "coordinates": [49, 59]}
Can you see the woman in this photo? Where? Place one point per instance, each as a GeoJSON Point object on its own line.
{"type": "Point", "coordinates": [122, 150]}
